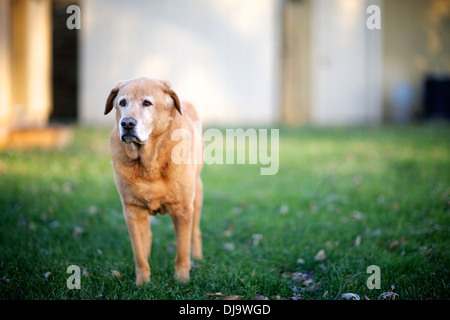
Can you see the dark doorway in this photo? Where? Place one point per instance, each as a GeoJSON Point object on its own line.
{"type": "Point", "coordinates": [65, 65]}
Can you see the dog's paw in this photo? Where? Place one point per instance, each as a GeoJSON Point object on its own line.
{"type": "Point", "coordinates": [142, 278]}
{"type": "Point", "coordinates": [182, 275]}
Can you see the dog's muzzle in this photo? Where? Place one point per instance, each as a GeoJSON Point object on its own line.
{"type": "Point", "coordinates": [128, 134]}
{"type": "Point", "coordinates": [129, 138]}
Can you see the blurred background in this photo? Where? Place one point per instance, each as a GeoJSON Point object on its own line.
{"type": "Point", "coordinates": [253, 62]}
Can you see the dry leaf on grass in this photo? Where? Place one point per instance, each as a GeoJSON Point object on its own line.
{"type": "Point", "coordinates": [214, 295]}
{"type": "Point", "coordinates": [320, 256]}
{"type": "Point", "coordinates": [228, 246]}
{"type": "Point", "coordinates": [256, 239]}
{"type": "Point", "coordinates": [388, 296]}
{"type": "Point", "coordinates": [393, 245]}
{"type": "Point", "coordinates": [357, 241]}
{"type": "Point", "coordinates": [305, 279]}
{"type": "Point", "coordinates": [116, 273]}
{"type": "Point", "coordinates": [296, 297]}
{"type": "Point", "coordinates": [391, 295]}
{"type": "Point", "coordinates": [233, 297]}
{"type": "Point", "coordinates": [350, 296]}
{"type": "Point", "coordinates": [77, 231]}
{"type": "Point", "coordinates": [284, 209]}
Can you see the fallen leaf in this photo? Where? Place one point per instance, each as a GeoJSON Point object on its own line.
{"type": "Point", "coordinates": [357, 241]}
{"type": "Point", "coordinates": [300, 261]}
{"type": "Point", "coordinates": [68, 187]}
{"type": "Point", "coordinates": [54, 224]}
{"type": "Point", "coordinates": [320, 255]}
{"type": "Point", "coordinates": [234, 297]}
{"type": "Point", "coordinates": [284, 209]}
{"type": "Point", "coordinates": [47, 274]}
{"type": "Point", "coordinates": [296, 297]}
{"type": "Point", "coordinates": [238, 210]}
{"type": "Point", "coordinates": [261, 297]}
{"type": "Point", "coordinates": [214, 295]}
{"type": "Point", "coordinates": [77, 231]}
{"type": "Point", "coordinates": [388, 296]}
{"type": "Point", "coordinates": [256, 239]}
{"type": "Point", "coordinates": [227, 233]}
{"type": "Point", "coordinates": [303, 278]}
{"type": "Point", "coordinates": [357, 215]}
{"type": "Point", "coordinates": [393, 245]}
{"type": "Point", "coordinates": [93, 210]}
{"type": "Point", "coordinates": [375, 232]}
{"type": "Point", "coordinates": [85, 273]}
{"type": "Point", "coordinates": [350, 296]}
{"type": "Point", "coordinates": [116, 273]}
{"type": "Point", "coordinates": [228, 246]}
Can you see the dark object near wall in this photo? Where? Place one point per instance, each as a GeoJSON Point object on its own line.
{"type": "Point", "coordinates": [65, 66]}
{"type": "Point", "coordinates": [437, 97]}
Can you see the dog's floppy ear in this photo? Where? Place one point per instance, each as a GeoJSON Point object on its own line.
{"type": "Point", "coordinates": [176, 101]}
{"type": "Point", "coordinates": [109, 101]}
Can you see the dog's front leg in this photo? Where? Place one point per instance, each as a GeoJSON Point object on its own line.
{"type": "Point", "coordinates": [182, 220]}
{"type": "Point", "coordinates": [137, 220]}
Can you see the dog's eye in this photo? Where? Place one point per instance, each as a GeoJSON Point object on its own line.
{"type": "Point", "coordinates": [147, 103]}
{"type": "Point", "coordinates": [123, 103]}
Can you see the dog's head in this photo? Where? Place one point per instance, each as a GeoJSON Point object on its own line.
{"type": "Point", "coordinates": [143, 107]}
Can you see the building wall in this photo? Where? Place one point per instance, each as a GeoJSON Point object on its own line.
{"type": "Point", "coordinates": [222, 55]}
{"type": "Point", "coordinates": [346, 63]}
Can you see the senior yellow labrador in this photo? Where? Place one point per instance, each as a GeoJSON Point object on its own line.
{"type": "Point", "coordinates": [148, 111]}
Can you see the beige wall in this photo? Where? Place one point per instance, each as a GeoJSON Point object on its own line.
{"type": "Point", "coordinates": [346, 63]}
{"type": "Point", "coordinates": [223, 55]}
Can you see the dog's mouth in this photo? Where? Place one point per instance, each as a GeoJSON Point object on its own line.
{"type": "Point", "coordinates": [129, 138]}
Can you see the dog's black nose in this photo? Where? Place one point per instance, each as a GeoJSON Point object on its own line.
{"type": "Point", "coordinates": [128, 123]}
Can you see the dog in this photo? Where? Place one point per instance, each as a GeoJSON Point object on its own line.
{"type": "Point", "coordinates": [148, 111]}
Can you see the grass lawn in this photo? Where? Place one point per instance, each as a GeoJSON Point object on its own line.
{"type": "Point", "coordinates": [343, 199]}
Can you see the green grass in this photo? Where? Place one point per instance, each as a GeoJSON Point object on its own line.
{"type": "Point", "coordinates": [388, 187]}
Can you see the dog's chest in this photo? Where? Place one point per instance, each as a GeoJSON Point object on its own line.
{"type": "Point", "coordinates": [142, 189]}
{"type": "Point", "coordinates": [152, 194]}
